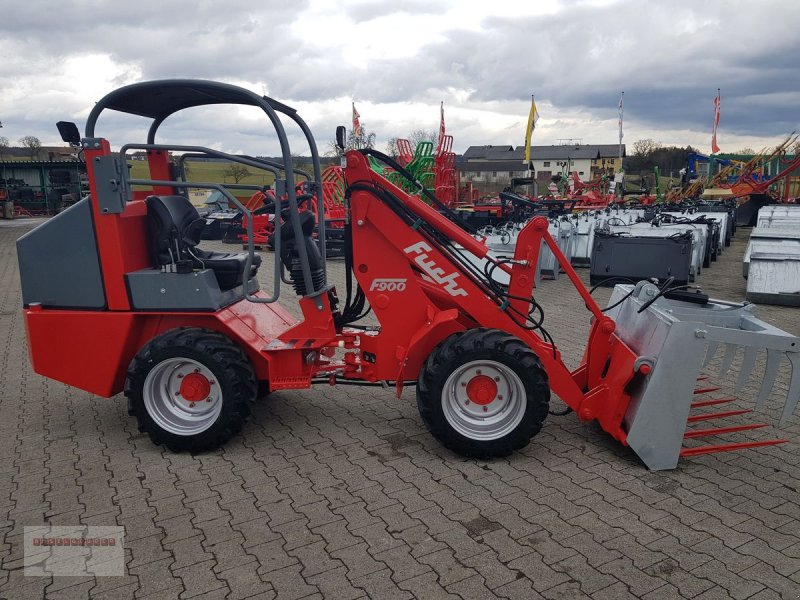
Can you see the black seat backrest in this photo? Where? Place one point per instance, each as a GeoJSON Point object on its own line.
{"type": "Point", "coordinates": [174, 225]}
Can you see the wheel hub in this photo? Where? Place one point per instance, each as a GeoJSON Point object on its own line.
{"type": "Point", "coordinates": [484, 399]}
{"type": "Point", "coordinates": [481, 390]}
{"type": "Point", "coordinates": [182, 396]}
{"type": "Point", "coordinates": [195, 387]}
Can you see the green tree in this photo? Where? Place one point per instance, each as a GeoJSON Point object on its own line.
{"type": "Point", "coordinates": [236, 172]}
{"type": "Point", "coordinates": [3, 145]}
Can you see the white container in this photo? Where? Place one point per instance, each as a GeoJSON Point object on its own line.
{"type": "Point", "coordinates": [774, 275]}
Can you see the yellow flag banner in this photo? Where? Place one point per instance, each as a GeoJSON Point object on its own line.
{"type": "Point", "coordinates": [532, 118]}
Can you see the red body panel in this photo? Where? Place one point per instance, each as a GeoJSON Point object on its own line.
{"type": "Point", "coordinates": [121, 239]}
{"type": "Point", "coordinates": [91, 350]}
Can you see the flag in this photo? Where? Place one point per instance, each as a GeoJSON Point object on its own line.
{"type": "Point", "coordinates": [717, 102]}
{"type": "Point", "coordinates": [440, 143]}
{"type": "Point", "coordinates": [621, 109]}
{"type": "Point", "coordinates": [532, 118]}
{"type": "Point", "coordinates": [357, 131]}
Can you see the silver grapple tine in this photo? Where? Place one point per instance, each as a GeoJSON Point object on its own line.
{"type": "Point", "coordinates": [793, 396]}
{"type": "Point", "coordinates": [774, 358]}
{"type": "Point", "coordinates": [748, 363]}
{"type": "Point", "coordinates": [712, 350]}
{"type": "Point", "coordinates": [727, 361]}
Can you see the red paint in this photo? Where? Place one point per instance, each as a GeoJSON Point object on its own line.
{"type": "Point", "coordinates": [195, 387]}
{"type": "Point", "coordinates": [482, 390]}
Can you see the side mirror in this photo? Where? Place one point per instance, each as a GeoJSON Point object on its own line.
{"type": "Point", "coordinates": [69, 132]}
{"type": "Point", "coordinates": [341, 137]}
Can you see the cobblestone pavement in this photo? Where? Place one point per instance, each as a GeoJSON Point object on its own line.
{"type": "Point", "coordinates": [341, 493]}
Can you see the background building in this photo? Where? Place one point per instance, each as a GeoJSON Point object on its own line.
{"type": "Point", "coordinates": [491, 168]}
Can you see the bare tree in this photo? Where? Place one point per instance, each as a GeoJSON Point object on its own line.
{"type": "Point", "coordinates": [422, 135]}
{"type": "Point", "coordinates": [354, 142]}
{"type": "Point", "coordinates": [3, 145]}
{"type": "Point", "coordinates": [746, 150]}
{"type": "Point", "coordinates": [391, 147]}
{"type": "Point", "coordinates": [236, 172]}
{"type": "Point", "coordinates": [645, 147]}
{"type": "Point", "coordinates": [33, 145]}
{"type": "Point", "coordinates": [359, 142]}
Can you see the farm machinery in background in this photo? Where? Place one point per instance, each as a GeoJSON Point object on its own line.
{"type": "Point", "coordinates": [748, 183]}
{"type": "Point", "coordinates": [119, 297]}
{"type": "Point", "coordinates": [226, 222]}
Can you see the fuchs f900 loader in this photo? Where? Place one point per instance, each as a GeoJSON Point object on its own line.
{"type": "Point", "coordinates": [118, 296]}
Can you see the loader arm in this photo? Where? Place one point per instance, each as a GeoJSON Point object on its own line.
{"type": "Point", "coordinates": [411, 262]}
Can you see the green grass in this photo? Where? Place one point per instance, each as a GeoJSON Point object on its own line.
{"type": "Point", "coordinates": [209, 172]}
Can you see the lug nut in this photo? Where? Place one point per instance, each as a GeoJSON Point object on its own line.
{"type": "Point", "coordinates": [180, 375]}
{"type": "Point", "coordinates": [191, 404]}
{"type": "Point", "coordinates": [466, 402]}
{"type": "Point", "coordinates": [463, 384]}
{"type": "Point", "coordinates": [478, 372]}
{"type": "Point", "coordinates": [497, 379]}
{"type": "Point", "coordinates": [208, 399]}
{"type": "Point", "coordinates": [485, 409]}
{"type": "Point", "coordinates": [499, 396]}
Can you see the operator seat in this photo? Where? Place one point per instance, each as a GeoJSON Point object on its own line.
{"type": "Point", "coordinates": [175, 227]}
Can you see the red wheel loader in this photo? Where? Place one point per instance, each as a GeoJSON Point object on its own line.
{"type": "Point", "coordinates": [119, 296]}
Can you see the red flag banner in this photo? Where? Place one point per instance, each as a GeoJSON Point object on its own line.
{"type": "Point", "coordinates": [441, 131]}
{"type": "Point", "coordinates": [357, 131]}
{"type": "Point", "coordinates": [714, 147]}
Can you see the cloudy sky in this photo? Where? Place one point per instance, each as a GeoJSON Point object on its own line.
{"type": "Point", "coordinates": [397, 59]}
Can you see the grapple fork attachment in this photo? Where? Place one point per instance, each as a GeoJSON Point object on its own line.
{"type": "Point", "coordinates": [678, 339]}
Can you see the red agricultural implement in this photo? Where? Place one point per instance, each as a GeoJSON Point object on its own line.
{"type": "Point", "coordinates": [118, 296]}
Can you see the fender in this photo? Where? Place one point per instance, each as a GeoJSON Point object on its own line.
{"type": "Point", "coordinates": [441, 324]}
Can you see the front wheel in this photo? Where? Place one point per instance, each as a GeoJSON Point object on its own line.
{"type": "Point", "coordinates": [483, 393]}
{"type": "Point", "coordinates": [190, 389]}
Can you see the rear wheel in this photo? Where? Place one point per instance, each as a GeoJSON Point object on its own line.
{"type": "Point", "coordinates": [483, 393]}
{"type": "Point", "coordinates": [190, 389]}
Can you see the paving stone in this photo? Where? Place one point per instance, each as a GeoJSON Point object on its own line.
{"type": "Point", "coordinates": [448, 569]}
{"type": "Point", "coordinates": [426, 586]}
{"type": "Point", "coordinates": [335, 584]}
{"type": "Point", "coordinates": [199, 578]}
{"type": "Point", "coordinates": [288, 583]}
{"type": "Point", "coordinates": [358, 560]}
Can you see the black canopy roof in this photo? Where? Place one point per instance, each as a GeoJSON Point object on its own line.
{"type": "Point", "coordinates": [162, 98]}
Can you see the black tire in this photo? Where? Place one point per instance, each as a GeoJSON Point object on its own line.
{"type": "Point", "coordinates": [212, 352]}
{"type": "Point", "coordinates": [493, 347]}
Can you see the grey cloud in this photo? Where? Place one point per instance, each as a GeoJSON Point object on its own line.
{"type": "Point", "coordinates": [368, 11]}
{"type": "Point", "coordinates": [669, 57]}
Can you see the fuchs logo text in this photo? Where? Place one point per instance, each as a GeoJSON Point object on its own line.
{"type": "Point", "coordinates": [436, 273]}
